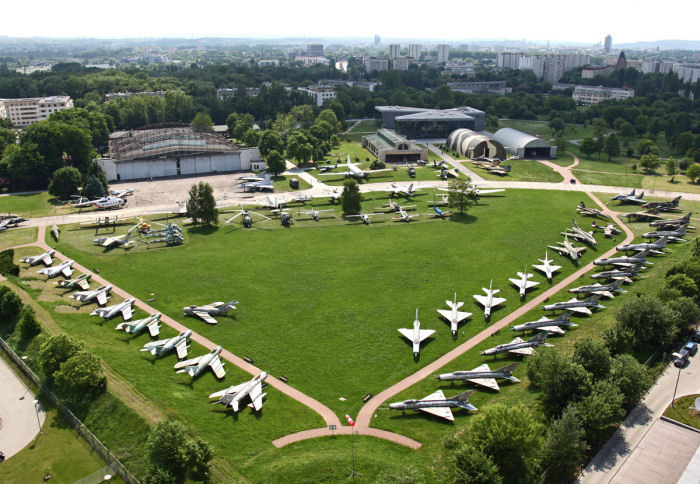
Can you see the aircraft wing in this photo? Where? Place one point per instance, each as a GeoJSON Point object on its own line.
{"type": "Point", "coordinates": [154, 344]}
{"type": "Point", "coordinates": [181, 348]}
{"type": "Point", "coordinates": [552, 329]}
{"type": "Point", "coordinates": [205, 316]}
{"type": "Point", "coordinates": [102, 299]}
{"type": "Point", "coordinates": [487, 382]}
{"type": "Point", "coordinates": [190, 362]}
{"type": "Point", "coordinates": [67, 271]}
{"type": "Point", "coordinates": [442, 412]}
{"type": "Point", "coordinates": [84, 285]}
{"type": "Point", "coordinates": [126, 312]}
{"type": "Point", "coordinates": [231, 389]}
{"type": "Point", "coordinates": [47, 260]}
{"type": "Point", "coordinates": [344, 173]}
{"type": "Point", "coordinates": [518, 282]}
{"type": "Point", "coordinates": [153, 328]}
{"type": "Point", "coordinates": [447, 314]}
{"type": "Point", "coordinates": [483, 300]}
{"type": "Point", "coordinates": [377, 171]}
{"type": "Point", "coordinates": [581, 310]}
{"type": "Point", "coordinates": [561, 250]}
{"type": "Point", "coordinates": [407, 333]}
{"type": "Point", "coordinates": [493, 190]}
{"type": "Point", "coordinates": [497, 300]}
{"type": "Point", "coordinates": [425, 333]}
{"type": "Point", "coordinates": [529, 284]}
{"type": "Point", "coordinates": [217, 367]}
{"type": "Point", "coordinates": [523, 351]}
{"type": "Point", "coordinates": [256, 396]}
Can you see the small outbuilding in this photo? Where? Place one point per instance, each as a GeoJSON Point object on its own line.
{"type": "Point", "coordinates": [523, 145]}
{"type": "Point", "coordinates": [474, 145]}
{"type": "Point", "coordinates": [388, 146]}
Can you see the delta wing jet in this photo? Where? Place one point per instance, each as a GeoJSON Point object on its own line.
{"type": "Point", "coordinates": [523, 283]}
{"type": "Point", "coordinates": [207, 311]}
{"type": "Point", "coordinates": [626, 261]}
{"type": "Point", "coordinates": [64, 268]}
{"type": "Point", "coordinates": [519, 346]}
{"type": "Point", "coordinates": [488, 301]}
{"type": "Point", "coordinates": [437, 404]}
{"type": "Point", "coordinates": [195, 366]}
{"type": "Point", "coordinates": [453, 315]}
{"type": "Point", "coordinates": [631, 197]}
{"type": "Point", "coordinates": [124, 307]}
{"type": "Point", "coordinates": [546, 266]}
{"type": "Point", "coordinates": [653, 247]}
{"type": "Point", "coordinates": [416, 335]}
{"type": "Point", "coordinates": [483, 375]}
{"type": "Point", "coordinates": [101, 295]}
{"type": "Point", "coordinates": [577, 233]}
{"type": "Point", "coordinates": [545, 324]}
{"type": "Point", "coordinates": [45, 258]}
{"type": "Point", "coordinates": [603, 290]}
{"type": "Point", "coordinates": [161, 347]}
{"type": "Point", "coordinates": [152, 323]}
{"type": "Point", "coordinates": [82, 281]}
{"type": "Point", "coordinates": [235, 394]}
{"type": "Point", "coordinates": [575, 305]}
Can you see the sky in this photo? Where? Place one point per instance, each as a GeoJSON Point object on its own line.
{"type": "Point", "coordinates": [583, 21]}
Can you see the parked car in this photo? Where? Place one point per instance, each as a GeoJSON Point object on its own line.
{"type": "Point", "coordinates": [695, 336]}
{"type": "Point", "coordinates": [691, 348]}
{"type": "Point", "coordinates": [2, 456]}
{"type": "Point", "coordinates": [680, 358]}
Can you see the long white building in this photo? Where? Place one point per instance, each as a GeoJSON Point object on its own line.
{"type": "Point", "coordinates": [597, 94]}
{"type": "Point", "coordinates": [25, 111]}
{"type": "Point", "coordinates": [319, 93]}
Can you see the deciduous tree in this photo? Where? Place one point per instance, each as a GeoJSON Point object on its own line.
{"type": "Point", "coordinates": [630, 377]}
{"type": "Point", "coordinates": [80, 378]}
{"type": "Point", "coordinates": [351, 198]}
{"type": "Point", "coordinates": [565, 447]}
{"type": "Point", "coordinates": [461, 194]}
{"type": "Point", "coordinates": [201, 205]}
{"type": "Point", "coordinates": [56, 350]}
{"type": "Point", "coordinates": [65, 182]}
{"type": "Point", "coordinates": [275, 162]}
{"type": "Point", "coordinates": [593, 355]}
{"type": "Point", "coordinates": [647, 320]}
{"type": "Point", "coordinates": [473, 466]}
{"type": "Point", "coordinates": [693, 172]}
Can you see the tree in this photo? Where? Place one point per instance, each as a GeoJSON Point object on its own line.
{"type": "Point", "coordinates": [251, 137]}
{"type": "Point", "coordinates": [329, 116]}
{"type": "Point", "coordinates": [172, 452]}
{"type": "Point", "coordinates": [565, 447]}
{"type": "Point", "coordinates": [55, 350]}
{"type": "Point", "coordinates": [647, 146]}
{"type": "Point", "coordinates": [10, 308]}
{"type": "Point", "coordinates": [560, 379]}
{"type": "Point", "coordinates": [461, 194]}
{"type": "Point", "coordinates": [244, 122]}
{"type": "Point", "coordinates": [26, 166]}
{"type": "Point", "coordinates": [650, 162]}
{"type": "Point", "coordinates": [593, 355]}
{"type": "Point", "coordinates": [684, 142]}
{"type": "Point", "coordinates": [7, 138]}
{"type": "Point", "coordinates": [28, 325]}
{"type": "Point", "coordinates": [473, 466]}
{"type": "Point", "coordinates": [275, 162]}
{"type": "Point", "coordinates": [93, 188]}
{"type": "Point", "coordinates": [557, 126]}
{"type": "Point", "coordinates": [7, 264]}
{"type": "Point", "coordinates": [202, 123]}
{"type": "Point", "coordinates": [612, 146]}
{"type": "Point", "coordinates": [599, 410]}
{"type": "Point", "coordinates": [351, 198]}
{"type": "Point", "coordinates": [80, 377]}
{"type": "Point", "coordinates": [298, 147]}
{"type": "Point", "coordinates": [588, 146]}
{"type": "Point", "coordinates": [687, 312]}
{"type": "Point", "coordinates": [648, 320]}
{"type": "Point", "coordinates": [672, 168]}
{"type": "Point", "coordinates": [201, 206]}
{"type": "Point", "coordinates": [270, 140]}
{"type": "Point", "coordinates": [65, 182]}
{"type": "Point", "coordinates": [683, 284]}
{"type": "Point", "coordinates": [630, 377]}
{"type": "Point", "coordinates": [693, 172]}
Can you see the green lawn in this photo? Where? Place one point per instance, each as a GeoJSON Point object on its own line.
{"type": "Point", "coordinates": [522, 170]}
{"type": "Point", "coordinates": [12, 237]}
{"type": "Point", "coordinates": [363, 128]}
{"type": "Point", "coordinates": [352, 148]}
{"type": "Point", "coordinates": [432, 157]}
{"type": "Point", "coordinates": [683, 411]}
{"type": "Point", "coordinates": [36, 205]}
{"type": "Point", "coordinates": [398, 174]}
{"type": "Point", "coordinates": [281, 183]}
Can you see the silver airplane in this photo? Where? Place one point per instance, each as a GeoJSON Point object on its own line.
{"type": "Point", "coordinates": [576, 306]}
{"type": "Point", "coordinates": [653, 247]}
{"type": "Point", "coordinates": [364, 217]}
{"type": "Point", "coordinates": [483, 375]}
{"type": "Point", "coordinates": [100, 295]}
{"type": "Point", "coordinates": [663, 206]}
{"type": "Point", "coordinates": [403, 216]}
{"type": "Point", "coordinates": [454, 315]}
{"type": "Point", "coordinates": [195, 366]}
{"type": "Point", "coordinates": [581, 235]}
{"type": "Point", "coordinates": [207, 311]}
{"type": "Point", "coordinates": [623, 275]}
{"type": "Point", "coordinates": [161, 347]}
{"type": "Point", "coordinates": [608, 230]}
{"type": "Point", "coordinates": [625, 260]}
{"type": "Point", "coordinates": [64, 268]}
{"type": "Point", "coordinates": [316, 214]}
{"type": "Point", "coordinates": [632, 197]}
{"type": "Point", "coordinates": [36, 259]}
{"type": "Point", "coordinates": [408, 191]}
{"type": "Point", "coordinates": [82, 281]}
{"type": "Point", "coordinates": [603, 290]}
{"type": "Point", "coordinates": [354, 171]}
{"type": "Point", "coordinates": [121, 193]}
{"type": "Point", "coordinates": [594, 212]}
{"type": "Point", "coordinates": [665, 223]}
{"type": "Point", "coordinates": [416, 335]}
{"type": "Point", "coordinates": [436, 404]}
{"type": "Point", "coordinates": [152, 323]}
{"type": "Point", "coordinates": [124, 307]}
{"type": "Point", "coordinates": [673, 235]}
{"type": "Point", "coordinates": [519, 346]}
{"type": "Point", "coordinates": [489, 301]}
{"type": "Point", "coordinates": [262, 181]}
{"type": "Point", "coordinates": [235, 394]}
{"type": "Point", "coordinates": [567, 249]}
{"type": "Point", "coordinates": [523, 283]}
{"type": "Point", "coordinates": [546, 324]}
{"type": "Point", "coordinates": [546, 266]}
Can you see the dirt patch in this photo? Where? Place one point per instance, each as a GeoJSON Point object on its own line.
{"type": "Point", "coordinates": [65, 309]}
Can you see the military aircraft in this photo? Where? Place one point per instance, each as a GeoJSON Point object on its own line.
{"type": "Point", "coordinates": [334, 196]}
{"type": "Point", "coordinates": [235, 394]}
{"type": "Point", "coordinates": [354, 171]}
{"type": "Point", "coordinates": [501, 170]}
{"type": "Point", "coordinates": [121, 193]}
{"type": "Point", "coordinates": [638, 258]}
{"type": "Point", "coordinates": [623, 275]}
{"type": "Point", "coordinates": [446, 172]}
{"type": "Point", "coordinates": [597, 288]}
{"type": "Point", "coordinates": [673, 235]}
{"type": "Point", "coordinates": [436, 404]}
{"type": "Point", "coordinates": [670, 224]}
{"type": "Point", "coordinates": [546, 266]}
{"type": "Point", "coordinates": [489, 301]}
{"type": "Point", "coordinates": [546, 324]}
{"type": "Point", "coordinates": [125, 308]}
{"type": "Point", "coordinates": [408, 191]}
{"type": "Point", "coordinates": [286, 219]}
{"type": "Point", "coordinates": [594, 212]}
{"type": "Point", "coordinates": [100, 295]}
{"type": "Point", "coordinates": [8, 222]}
{"type": "Point", "coordinates": [152, 323]}
{"type": "Point", "coordinates": [261, 181]}
{"type": "Point", "coordinates": [576, 306]}
{"type": "Point", "coordinates": [440, 213]}
{"type": "Point", "coordinates": [82, 281]}
{"type": "Point", "coordinates": [273, 203]}
{"type": "Point", "coordinates": [325, 168]}
{"type": "Point", "coordinates": [656, 247]}
{"type": "Point", "coordinates": [195, 366]}
{"type": "Point", "coordinates": [519, 346]}
{"type": "Point", "coordinates": [403, 216]}
{"type": "Point", "coordinates": [303, 198]}
{"type": "Point", "coordinates": [483, 162]}
{"type": "Point", "coordinates": [609, 230]}
{"type": "Point", "coordinates": [316, 214]}
{"type": "Point", "coordinates": [476, 191]}
{"type": "Point", "coordinates": [632, 197]}
{"type": "Point", "coordinates": [161, 347]}
{"type": "Point", "coordinates": [640, 217]}
{"type": "Point", "coordinates": [207, 311]}
{"type": "Point", "coordinates": [123, 240]}
{"type": "Point", "coordinates": [55, 231]}
{"type": "Point", "coordinates": [663, 206]}
{"type": "Point", "coordinates": [391, 206]}
{"type": "Point", "coordinates": [247, 219]}
{"type": "Point", "coordinates": [416, 335]}
{"type": "Point", "coordinates": [568, 249]}
{"type": "Point", "coordinates": [523, 283]}
{"type": "Point", "coordinates": [453, 315]}
{"type": "Point", "coordinates": [364, 217]}
{"type": "Point", "coordinates": [64, 268]}
{"type": "Point", "coordinates": [108, 203]}
{"type": "Point", "coordinates": [36, 259]}
{"type": "Point", "coordinates": [483, 375]}
{"type": "Point", "coordinates": [577, 233]}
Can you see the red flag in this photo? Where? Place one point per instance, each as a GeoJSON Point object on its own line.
{"type": "Point", "coordinates": [351, 422]}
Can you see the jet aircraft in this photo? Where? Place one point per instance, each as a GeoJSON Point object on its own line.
{"type": "Point", "coordinates": [670, 224]}
{"type": "Point", "coordinates": [354, 171]}
{"type": "Point", "coordinates": [546, 324]}
{"type": "Point", "coordinates": [597, 288]}
{"type": "Point", "coordinates": [631, 197]}
{"type": "Point", "coordinates": [14, 221]}
{"type": "Point", "coordinates": [523, 283]}
{"type": "Point", "coordinates": [82, 281]}
{"type": "Point", "coordinates": [261, 181]}
{"type": "Point", "coordinates": [195, 366]}
{"type": "Point", "coordinates": [152, 323]}
{"type": "Point", "coordinates": [416, 335]}
{"type": "Point", "coordinates": [638, 258]}
{"type": "Point", "coordinates": [437, 404]}
{"type": "Point", "coordinates": [623, 275]}
{"type": "Point", "coordinates": [121, 193]}
{"type": "Point", "coordinates": [36, 259]}
{"type": "Point", "coordinates": [673, 235]}
{"type": "Point", "coordinates": [123, 240]}
{"type": "Point", "coordinates": [453, 315]}
{"type": "Point", "coordinates": [546, 266]}
{"type": "Point", "coordinates": [108, 312]}
{"type": "Point", "coordinates": [408, 191]}
{"type": "Point", "coordinates": [663, 206]}
{"type": "Point", "coordinates": [656, 247]}
{"type": "Point", "coordinates": [178, 343]}
{"type": "Point", "coordinates": [483, 375]}
{"type": "Point", "coordinates": [582, 307]}
{"type": "Point", "coordinates": [100, 295]}
{"type": "Point", "coordinates": [489, 301]}
{"type": "Point", "coordinates": [577, 233]}
{"type": "Point", "coordinates": [519, 346]}
{"type": "Point", "coordinates": [64, 268]}
{"type": "Point", "coordinates": [568, 249]}
{"type": "Point", "coordinates": [609, 230]}
{"type": "Point", "coordinates": [594, 212]}
{"type": "Point", "coordinates": [235, 394]}
{"type": "Point", "coordinates": [207, 311]}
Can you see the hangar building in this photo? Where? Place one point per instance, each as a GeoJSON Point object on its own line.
{"type": "Point", "coordinates": [523, 145]}
{"type": "Point", "coordinates": [172, 151]}
{"type": "Point", "coordinates": [431, 123]}
{"type": "Point", "coordinates": [474, 145]}
{"type": "Point", "coordinates": [388, 146]}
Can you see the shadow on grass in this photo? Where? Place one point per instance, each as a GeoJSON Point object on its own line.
{"type": "Point", "coordinates": [202, 229]}
{"type": "Point", "coordinates": [463, 218]}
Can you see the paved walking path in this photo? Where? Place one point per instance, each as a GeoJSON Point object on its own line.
{"type": "Point", "coordinates": [564, 171]}
{"type": "Point", "coordinates": [455, 164]}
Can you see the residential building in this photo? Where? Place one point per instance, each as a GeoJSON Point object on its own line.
{"type": "Point", "coordinates": [443, 53]}
{"type": "Point", "coordinates": [554, 67]}
{"type": "Point", "coordinates": [268, 63]}
{"type": "Point", "coordinates": [388, 146]}
{"type": "Point", "coordinates": [480, 87]}
{"type": "Point", "coordinates": [310, 60]}
{"type": "Point", "coordinates": [461, 68]}
{"type": "Point", "coordinates": [508, 60]}
{"type": "Point", "coordinates": [394, 51]}
{"type": "Point", "coordinates": [414, 50]}
{"type": "Point", "coordinates": [319, 93]}
{"type": "Point", "coordinates": [401, 63]}
{"type": "Point", "coordinates": [608, 43]}
{"type": "Point", "coordinates": [687, 72]}
{"type": "Point", "coordinates": [577, 60]}
{"type": "Point", "coordinates": [25, 111]}
{"type": "Point", "coordinates": [376, 64]}
{"type": "Point", "coordinates": [314, 50]}
{"type": "Point", "coordinates": [597, 94]}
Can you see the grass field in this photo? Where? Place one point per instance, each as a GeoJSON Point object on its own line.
{"type": "Point", "coordinates": [363, 128]}
{"type": "Point", "coordinates": [398, 174]}
{"type": "Point", "coordinates": [13, 237]}
{"type": "Point", "coordinates": [432, 157]}
{"type": "Point", "coordinates": [683, 411]}
{"type": "Point", "coordinates": [281, 183]}
{"type": "Point", "coordinates": [35, 205]}
{"type": "Point", "coordinates": [522, 170]}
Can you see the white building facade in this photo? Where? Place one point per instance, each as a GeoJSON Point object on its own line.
{"type": "Point", "coordinates": [25, 111]}
{"type": "Point", "coordinates": [597, 94]}
{"type": "Point", "coordinates": [443, 53]}
{"type": "Point", "coordinates": [319, 93]}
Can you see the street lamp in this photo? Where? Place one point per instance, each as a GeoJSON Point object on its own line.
{"type": "Point", "coordinates": [38, 421]}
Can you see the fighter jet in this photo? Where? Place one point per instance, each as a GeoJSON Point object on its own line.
{"type": "Point", "coordinates": [546, 324]}
{"type": "Point", "coordinates": [247, 219]}
{"type": "Point", "coordinates": [261, 181]}
{"type": "Point", "coordinates": [483, 375]}
{"type": "Point", "coordinates": [436, 404]}
{"type": "Point", "coordinates": [64, 268]}
{"type": "Point", "coordinates": [152, 323]}
{"type": "Point", "coordinates": [671, 224]}
{"type": "Point", "coordinates": [121, 193]}
{"type": "Point", "coordinates": [364, 217]}
{"type": "Point", "coordinates": [501, 170]}
{"type": "Point", "coordinates": [354, 171]}
{"type": "Point", "coordinates": [489, 301]}
{"type": "Point", "coordinates": [623, 275]}
{"type": "Point", "coordinates": [630, 198]}
{"type": "Point", "coordinates": [161, 347]}
{"type": "Point", "coordinates": [416, 335]}
{"type": "Point", "coordinates": [609, 230]}
{"type": "Point", "coordinates": [114, 241]}
{"type": "Point", "coordinates": [124, 307]}
{"type": "Point", "coordinates": [594, 212]}
{"type": "Point", "coordinates": [523, 283]}
{"type": "Point", "coordinates": [476, 191]}
{"type": "Point", "coordinates": [403, 216]}
{"type": "Point", "coordinates": [316, 214]}
{"type": "Point", "coordinates": [639, 258]}
{"type": "Point", "coordinates": [653, 247]}
{"type": "Point", "coordinates": [408, 191]}
{"type": "Point", "coordinates": [581, 235]}
{"type": "Point", "coordinates": [519, 346]}
{"type": "Point", "coordinates": [100, 295]}
{"type": "Point", "coordinates": [13, 221]}
{"type": "Point", "coordinates": [195, 366]}
{"type": "Point", "coordinates": [640, 217]}
{"type": "Point", "coordinates": [453, 315]}
{"type": "Point", "coordinates": [582, 307]}
{"type": "Point", "coordinates": [597, 288]}
{"type": "Point", "coordinates": [568, 249]}
{"type": "Point", "coordinates": [546, 266]}
{"type": "Point", "coordinates": [662, 206]}
{"type": "Point", "coordinates": [36, 259]}
{"type": "Point", "coordinates": [673, 235]}
{"type": "Point", "coordinates": [235, 394]}
{"type": "Point", "coordinates": [440, 213]}
{"type": "Point", "coordinates": [273, 203]}
{"type": "Point", "coordinates": [208, 310]}
{"type": "Point", "coordinates": [82, 281]}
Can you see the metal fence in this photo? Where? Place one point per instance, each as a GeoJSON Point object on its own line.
{"type": "Point", "coordinates": [112, 462]}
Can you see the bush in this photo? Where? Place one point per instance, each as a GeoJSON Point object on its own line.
{"type": "Point", "coordinates": [10, 307]}
{"type": "Point", "coordinates": [56, 350]}
{"type": "Point", "coordinates": [65, 182]}
{"type": "Point", "coordinates": [28, 324]}
{"type": "Point", "coordinates": [7, 263]}
{"type": "Point", "coordinates": [80, 378]}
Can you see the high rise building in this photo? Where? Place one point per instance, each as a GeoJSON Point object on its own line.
{"type": "Point", "coordinates": [394, 51]}
{"type": "Point", "coordinates": [314, 50]}
{"type": "Point", "coordinates": [414, 50]}
{"type": "Point", "coordinates": [608, 43]}
{"type": "Point", "coordinates": [377, 40]}
{"type": "Point", "coordinates": [443, 53]}
{"type": "Point", "coordinates": [508, 60]}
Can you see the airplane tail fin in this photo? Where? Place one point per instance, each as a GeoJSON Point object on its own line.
{"type": "Point", "coordinates": [464, 396]}
{"type": "Point", "coordinates": [508, 369]}
{"type": "Point", "coordinates": [540, 337]}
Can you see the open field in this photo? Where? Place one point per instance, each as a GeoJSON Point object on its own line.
{"type": "Point", "coordinates": [683, 411]}
{"type": "Point", "coordinates": [35, 205]}
{"type": "Point", "coordinates": [522, 170]}
{"type": "Point", "coordinates": [354, 149]}
{"type": "Point", "coordinates": [19, 236]}
{"type": "Point", "coordinates": [363, 128]}
{"type": "Point", "coordinates": [281, 183]}
{"type": "Point", "coordinates": [398, 174]}
{"type": "Point", "coordinates": [432, 157]}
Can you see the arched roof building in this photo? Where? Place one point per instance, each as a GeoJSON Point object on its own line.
{"type": "Point", "coordinates": [524, 145]}
{"type": "Point", "coordinates": [474, 145]}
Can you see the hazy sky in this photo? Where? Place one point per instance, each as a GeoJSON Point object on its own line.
{"type": "Point", "coordinates": [586, 21]}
